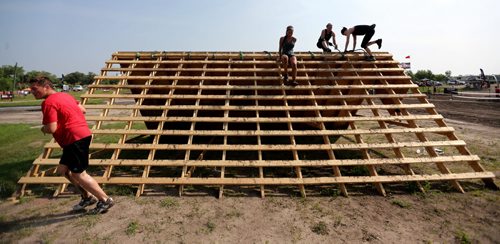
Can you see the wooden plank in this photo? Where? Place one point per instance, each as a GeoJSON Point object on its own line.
{"type": "Point", "coordinates": [228, 55]}
{"type": "Point", "coordinates": [253, 87]}
{"type": "Point", "coordinates": [248, 97]}
{"type": "Point", "coordinates": [247, 78]}
{"type": "Point", "coordinates": [269, 147]}
{"type": "Point", "coordinates": [259, 108]}
{"type": "Point", "coordinates": [265, 181]}
{"type": "Point", "coordinates": [222, 62]}
{"type": "Point", "coordinates": [264, 119]}
{"type": "Point", "coordinates": [269, 163]}
{"type": "Point", "coordinates": [252, 70]}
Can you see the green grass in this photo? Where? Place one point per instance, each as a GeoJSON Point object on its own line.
{"type": "Point", "coordinates": [320, 228]}
{"type": "Point", "coordinates": [462, 237]}
{"type": "Point", "coordinates": [169, 202]}
{"type": "Point", "coordinates": [20, 144]}
{"type": "Point", "coordinates": [29, 100]}
{"type": "Point", "coordinates": [401, 203]}
{"type": "Point", "coordinates": [89, 221]}
{"type": "Point", "coordinates": [209, 227]}
{"type": "Point", "coordinates": [132, 228]}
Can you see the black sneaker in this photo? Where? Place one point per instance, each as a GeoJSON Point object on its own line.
{"type": "Point", "coordinates": [327, 50]}
{"type": "Point", "coordinates": [285, 78]}
{"type": "Point", "coordinates": [379, 43]}
{"type": "Point", "coordinates": [85, 202]}
{"type": "Point", "coordinates": [292, 83]}
{"type": "Point", "coordinates": [103, 206]}
{"type": "Point", "coordinates": [370, 58]}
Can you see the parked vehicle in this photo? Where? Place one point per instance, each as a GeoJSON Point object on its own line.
{"type": "Point", "coordinates": [78, 88]}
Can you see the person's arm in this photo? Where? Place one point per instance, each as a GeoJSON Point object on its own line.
{"type": "Point", "coordinates": [80, 106]}
{"type": "Point", "coordinates": [280, 47]}
{"type": "Point", "coordinates": [49, 128]}
{"type": "Point", "coordinates": [324, 43]}
{"type": "Point", "coordinates": [334, 41]}
{"type": "Point", "coordinates": [353, 42]}
{"type": "Point", "coordinates": [347, 41]}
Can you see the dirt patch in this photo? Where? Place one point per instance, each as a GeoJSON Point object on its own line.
{"type": "Point", "coordinates": [477, 112]}
{"type": "Point", "coordinates": [441, 215]}
{"type": "Point", "coordinates": [434, 217]}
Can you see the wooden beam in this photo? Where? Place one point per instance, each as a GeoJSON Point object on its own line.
{"type": "Point", "coordinates": [265, 181]}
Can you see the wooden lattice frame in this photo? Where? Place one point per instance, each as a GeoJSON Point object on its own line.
{"type": "Point", "coordinates": [229, 110]}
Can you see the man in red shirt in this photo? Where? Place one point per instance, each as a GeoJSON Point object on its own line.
{"type": "Point", "coordinates": [63, 117]}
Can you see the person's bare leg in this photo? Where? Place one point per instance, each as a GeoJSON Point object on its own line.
{"type": "Point", "coordinates": [284, 61]}
{"type": "Point", "coordinates": [368, 51]}
{"type": "Point", "coordinates": [64, 171]}
{"type": "Point", "coordinates": [324, 44]}
{"type": "Point", "coordinates": [294, 67]}
{"type": "Point", "coordinates": [89, 184]}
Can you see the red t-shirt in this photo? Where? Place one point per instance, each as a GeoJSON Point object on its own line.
{"type": "Point", "coordinates": [71, 125]}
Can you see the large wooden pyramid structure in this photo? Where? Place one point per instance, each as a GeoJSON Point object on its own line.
{"type": "Point", "coordinates": [224, 119]}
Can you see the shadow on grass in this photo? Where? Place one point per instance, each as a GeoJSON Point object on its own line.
{"type": "Point", "coordinates": [10, 174]}
{"type": "Point", "coordinates": [38, 221]}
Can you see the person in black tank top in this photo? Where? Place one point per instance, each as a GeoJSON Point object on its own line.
{"type": "Point", "coordinates": [325, 36]}
{"type": "Point", "coordinates": [287, 43]}
{"type": "Point", "coordinates": [362, 30]}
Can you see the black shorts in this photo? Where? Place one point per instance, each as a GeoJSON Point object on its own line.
{"type": "Point", "coordinates": [76, 155]}
{"type": "Point", "coordinates": [369, 32]}
{"type": "Point", "coordinates": [289, 55]}
{"type": "Point", "coordinates": [319, 44]}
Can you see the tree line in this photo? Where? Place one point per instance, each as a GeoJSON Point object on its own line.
{"type": "Point", "coordinates": [427, 74]}
{"type": "Point", "coordinates": [7, 82]}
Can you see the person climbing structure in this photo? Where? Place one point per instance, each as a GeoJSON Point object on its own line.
{"type": "Point", "coordinates": [323, 41]}
{"type": "Point", "coordinates": [287, 43]}
{"type": "Point", "coordinates": [362, 30]}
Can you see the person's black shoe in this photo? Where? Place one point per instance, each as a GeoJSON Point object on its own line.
{"type": "Point", "coordinates": [103, 206]}
{"type": "Point", "coordinates": [379, 43]}
{"type": "Point", "coordinates": [291, 83]}
{"type": "Point", "coordinates": [285, 78]}
{"type": "Point", "coordinates": [85, 202]}
{"type": "Point", "coordinates": [327, 50]}
{"type": "Point", "coordinates": [370, 58]}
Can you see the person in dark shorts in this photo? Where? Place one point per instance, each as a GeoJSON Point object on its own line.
{"type": "Point", "coordinates": [362, 30]}
{"type": "Point", "coordinates": [323, 41]}
{"type": "Point", "coordinates": [63, 117]}
{"type": "Point", "coordinates": [287, 43]}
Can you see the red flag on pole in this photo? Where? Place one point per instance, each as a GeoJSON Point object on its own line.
{"type": "Point", "coordinates": [407, 56]}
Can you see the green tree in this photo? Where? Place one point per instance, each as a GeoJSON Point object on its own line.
{"type": "Point", "coordinates": [424, 74]}
{"type": "Point", "coordinates": [410, 74]}
{"type": "Point", "coordinates": [7, 76]}
{"type": "Point", "coordinates": [448, 73]}
{"type": "Point", "coordinates": [75, 78]}
{"type": "Point", "coordinates": [34, 73]}
{"type": "Point", "coordinates": [89, 78]}
{"type": "Point", "coordinates": [440, 77]}
{"type": "Point", "coordinates": [5, 84]}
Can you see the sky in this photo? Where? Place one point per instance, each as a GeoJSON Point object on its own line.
{"type": "Point", "coordinates": [63, 36]}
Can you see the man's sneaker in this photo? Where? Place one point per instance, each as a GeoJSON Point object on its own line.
{"type": "Point", "coordinates": [85, 202]}
{"type": "Point", "coordinates": [370, 58]}
{"type": "Point", "coordinates": [379, 43]}
{"type": "Point", "coordinates": [327, 50]}
{"type": "Point", "coordinates": [292, 83]}
{"type": "Point", "coordinates": [103, 206]}
{"type": "Point", "coordinates": [285, 78]}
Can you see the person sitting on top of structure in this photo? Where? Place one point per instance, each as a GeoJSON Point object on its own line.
{"type": "Point", "coordinates": [359, 30]}
{"type": "Point", "coordinates": [325, 36]}
{"type": "Point", "coordinates": [287, 43]}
